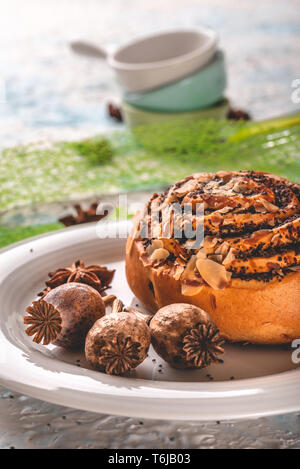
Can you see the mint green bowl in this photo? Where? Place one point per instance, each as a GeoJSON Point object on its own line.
{"type": "Point", "coordinates": [197, 91]}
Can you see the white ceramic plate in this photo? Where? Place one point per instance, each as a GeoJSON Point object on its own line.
{"type": "Point", "coordinates": [265, 379]}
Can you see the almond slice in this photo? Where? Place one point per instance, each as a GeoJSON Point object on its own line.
{"type": "Point", "coordinates": [223, 249]}
{"type": "Point", "coordinates": [189, 271]}
{"type": "Point", "coordinates": [178, 272]}
{"type": "Point", "coordinates": [260, 209]}
{"type": "Point", "coordinates": [191, 290]}
{"type": "Point", "coordinates": [188, 186]}
{"type": "Point", "coordinates": [191, 244]}
{"type": "Point", "coordinates": [213, 273]}
{"type": "Point", "coordinates": [215, 257]}
{"type": "Point", "coordinates": [201, 254]}
{"type": "Point", "coordinates": [229, 258]}
{"type": "Point", "coordinates": [240, 186]}
{"type": "Point", "coordinates": [227, 221]}
{"type": "Point", "coordinates": [216, 219]}
{"type": "Point", "coordinates": [209, 243]}
{"type": "Point", "coordinates": [270, 207]}
{"type": "Point", "coordinates": [273, 266]}
{"type": "Point", "coordinates": [155, 244]}
{"type": "Point", "coordinates": [275, 238]}
{"type": "Point", "coordinates": [225, 209]}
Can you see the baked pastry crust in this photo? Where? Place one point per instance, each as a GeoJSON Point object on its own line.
{"type": "Point", "coordinates": [261, 301]}
{"type": "Point", "coordinates": [246, 311]}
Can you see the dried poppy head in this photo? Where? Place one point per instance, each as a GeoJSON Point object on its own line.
{"type": "Point", "coordinates": [65, 315]}
{"type": "Point", "coordinates": [117, 343]}
{"type": "Point", "coordinates": [185, 336]}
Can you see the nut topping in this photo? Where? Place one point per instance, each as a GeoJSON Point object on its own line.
{"type": "Point", "coordinates": [201, 254]}
{"type": "Point", "coordinates": [213, 273]}
{"type": "Point", "coordinates": [159, 255]}
{"type": "Point", "coordinates": [268, 206]}
{"type": "Point", "coordinates": [191, 285]}
{"type": "Point", "coordinates": [223, 249]}
{"type": "Point", "coordinates": [188, 186]}
{"type": "Point", "coordinates": [254, 213]}
{"type": "Point", "coordinates": [215, 257]}
{"type": "Point", "coordinates": [209, 243]}
{"type": "Point", "coordinates": [225, 210]}
{"type": "Point", "coordinates": [178, 271]}
{"type": "Point", "coordinates": [229, 258]}
{"type": "Point", "coordinates": [216, 219]}
{"type": "Point", "coordinates": [275, 238]}
{"type": "Point", "coordinates": [155, 244]}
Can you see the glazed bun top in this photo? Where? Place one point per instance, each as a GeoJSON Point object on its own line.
{"type": "Point", "coordinates": [250, 223]}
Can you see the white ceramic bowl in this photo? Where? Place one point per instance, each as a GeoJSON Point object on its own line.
{"type": "Point", "coordinates": [158, 59]}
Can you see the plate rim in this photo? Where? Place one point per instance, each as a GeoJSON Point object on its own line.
{"type": "Point", "coordinates": [263, 384]}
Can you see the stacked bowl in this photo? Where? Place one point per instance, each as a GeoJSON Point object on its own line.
{"type": "Point", "coordinates": [182, 74]}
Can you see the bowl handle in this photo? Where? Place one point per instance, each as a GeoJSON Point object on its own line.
{"type": "Point", "coordinates": [88, 49]}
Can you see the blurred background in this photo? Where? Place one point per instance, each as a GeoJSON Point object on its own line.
{"type": "Point", "coordinates": [48, 94]}
{"type": "Point", "coordinates": [52, 93]}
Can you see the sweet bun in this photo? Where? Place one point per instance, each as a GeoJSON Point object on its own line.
{"type": "Point", "coordinates": [245, 273]}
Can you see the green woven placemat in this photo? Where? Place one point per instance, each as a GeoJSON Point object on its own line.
{"type": "Point", "coordinates": [13, 235]}
{"type": "Point", "coordinates": [155, 156]}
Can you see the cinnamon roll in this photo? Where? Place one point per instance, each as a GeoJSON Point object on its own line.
{"type": "Point", "coordinates": [239, 259]}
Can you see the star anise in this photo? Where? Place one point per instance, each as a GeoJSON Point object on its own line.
{"type": "Point", "coordinates": [83, 216]}
{"type": "Point", "coordinates": [203, 344]}
{"type": "Point", "coordinates": [120, 356]}
{"type": "Point", "coordinates": [96, 276]}
{"type": "Point", "coordinates": [115, 112]}
{"type": "Point", "coordinates": [45, 322]}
